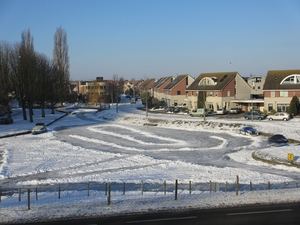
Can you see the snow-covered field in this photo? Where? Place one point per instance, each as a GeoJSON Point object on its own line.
{"type": "Point", "coordinates": [130, 152]}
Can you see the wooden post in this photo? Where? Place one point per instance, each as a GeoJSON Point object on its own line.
{"type": "Point", "coordinates": [190, 187]}
{"type": "Point", "coordinates": [269, 185]}
{"type": "Point", "coordinates": [58, 192]}
{"type": "Point", "coordinates": [142, 187]}
{"type": "Point", "coordinates": [176, 189]}
{"type": "Point", "coordinates": [210, 187]}
{"type": "Point", "coordinates": [237, 185]}
{"type": "Point", "coordinates": [28, 198]}
{"type": "Point", "coordinates": [88, 189]}
{"type": "Point", "coordinates": [19, 194]}
{"type": "Point", "coordinates": [124, 188]}
{"type": "Point", "coordinates": [226, 186]}
{"type": "Point", "coordinates": [250, 186]}
{"type": "Point", "coordinates": [284, 185]}
{"type": "Point", "coordinates": [36, 194]}
{"type": "Point", "coordinates": [108, 197]}
{"type": "Point", "coordinates": [0, 194]}
{"type": "Point", "coordinates": [106, 185]}
{"type": "Point", "coordinates": [165, 187]}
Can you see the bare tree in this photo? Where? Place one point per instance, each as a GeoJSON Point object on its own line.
{"type": "Point", "coordinates": [43, 80]}
{"type": "Point", "coordinates": [61, 63]}
{"type": "Point", "coordinates": [5, 79]}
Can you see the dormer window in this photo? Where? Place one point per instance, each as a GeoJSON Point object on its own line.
{"type": "Point", "coordinates": [208, 81]}
{"type": "Point", "coordinates": [292, 79]}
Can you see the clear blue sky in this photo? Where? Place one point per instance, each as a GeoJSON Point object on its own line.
{"type": "Point", "coordinates": [155, 38]}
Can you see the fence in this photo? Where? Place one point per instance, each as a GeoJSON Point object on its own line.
{"type": "Point", "coordinates": [108, 193]}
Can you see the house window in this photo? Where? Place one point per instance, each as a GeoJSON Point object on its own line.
{"type": "Point", "coordinates": [228, 93]}
{"type": "Point", "coordinates": [282, 107]}
{"type": "Point", "coordinates": [178, 92]}
{"type": "Point", "coordinates": [210, 93]}
{"type": "Point", "coordinates": [187, 81]}
{"type": "Point", "coordinates": [270, 107]}
{"type": "Point", "coordinates": [258, 87]}
{"type": "Point", "coordinates": [283, 94]}
{"type": "Point", "coordinates": [272, 94]}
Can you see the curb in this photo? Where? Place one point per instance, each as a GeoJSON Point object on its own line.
{"type": "Point", "coordinates": [29, 131]}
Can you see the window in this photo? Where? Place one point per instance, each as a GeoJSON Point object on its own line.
{"type": "Point", "coordinates": [258, 87]}
{"type": "Point", "coordinates": [210, 93]}
{"type": "Point", "coordinates": [282, 107]}
{"type": "Point", "coordinates": [292, 79]}
{"type": "Point", "coordinates": [228, 93]}
{"type": "Point", "coordinates": [283, 94]}
{"type": "Point", "coordinates": [272, 94]}
{"type": "Point", "coordinates": [178, 92]}
{"type": "Point", "coordinates": [208, 81]}
{"type": "Point", "coordinates": [270, 107]}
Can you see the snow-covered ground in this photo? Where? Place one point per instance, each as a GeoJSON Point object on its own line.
{"type": "Point", "coordinates": [130, 152]}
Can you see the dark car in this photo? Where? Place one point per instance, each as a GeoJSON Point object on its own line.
{"type": "Point", "coordinates": [6, 120]}
{"type": "Point", "coordinates": [254, 115]}
{"type": "Point", "coordinates": [278, 139]}
{"type": "Point", "coordinates": [249, 131]}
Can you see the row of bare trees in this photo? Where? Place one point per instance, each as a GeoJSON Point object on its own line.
{"type": "Point", "coordinates": [31, 77]}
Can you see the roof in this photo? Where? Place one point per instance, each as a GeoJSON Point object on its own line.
{"type": "Point", "coordinates": [221, 79]}
{"type": "Point", "coordinates": [162, 81]}
{"type": "Point", "coordinates": [274, 78]}
{"type": "Point", "coordinates": [176, 81]}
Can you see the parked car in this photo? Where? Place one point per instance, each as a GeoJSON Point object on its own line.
{"type": "Point", "coordinates": [249, 131]}
{"type": "Point", "coordinates": [6, 120]}
{"type": "Point", "coordinates": [221, 111]}
{"type": "Point", "coordinates": [279, 116]}
{"type": "Point", "coordinates": [254, 115]}
{"type": "Point", "coordinates": [278, 139]}
{"type": "Point", "coordinates": [39, 128]}
{"type": "Point", "coordinates": [235, 110]}
{"type": "Point", "coordinates": [199, 112]}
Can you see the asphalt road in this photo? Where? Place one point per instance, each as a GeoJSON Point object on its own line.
{"type": "Point", "coordinates": [284, 214]}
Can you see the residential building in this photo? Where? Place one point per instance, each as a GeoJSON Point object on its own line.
{"type": "Point", "coordinates": [176, 92]}
{"type": "Point", "coordinates": [221, 90]}
{"type": "Point", "coordinates": [279, 89]}
{"type": "Point", "coordinates": [158, 88]}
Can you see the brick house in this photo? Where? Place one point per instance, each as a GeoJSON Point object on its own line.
{"type": "Point", "coordinates": [221, 90]}
{"type": "Point", "coordinates": [176, 92]}
{"type": "Point", "coordinates": [279, 89]}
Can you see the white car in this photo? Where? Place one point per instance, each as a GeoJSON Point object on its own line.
{"type": "Point", "coordinates": [279, 116]}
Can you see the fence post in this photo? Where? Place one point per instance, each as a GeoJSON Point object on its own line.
{"type": "Point", "coordinates": [19, 194]}
{"type": "Point", "coordinates": [36, 194]}
{"type": "Point", "coordinates": [176, 189]}
{"type": "Point", "coordinates": [88, 189]}
{"type": "Point", "coordinates": [58, 192]}
{"type": "Point", "coordinates": [142, 187]}
{"type": "Point", "coordinates": [296, 185]}
{"type": "Point", "coordinates": [226, 186]}
{"type": "Point", "coordinates": [284, 185]}
{"type": "Point", "coordinates": [237, 185]}
{"type": "Point", "coordinates": [190, 187]}
{"type": "Point", "coordinates": [210, 186]}
{"type": "Point", "coordinates": [124, 188]}
{"type": "Point", "coordinates": [0, 194]}
{"type": "Point", "coordinates": [108, 197]}
{"type": "Point", "coordinates": [106, 185]}
{"type": "Point", "coordinates": [269, 185]}
{"type": "Point", "coordinates": [28, 198]}
{"type": "Point", "coordinates": [250, 186]}
{"type": "Point", "coordinates": [165, 187]}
